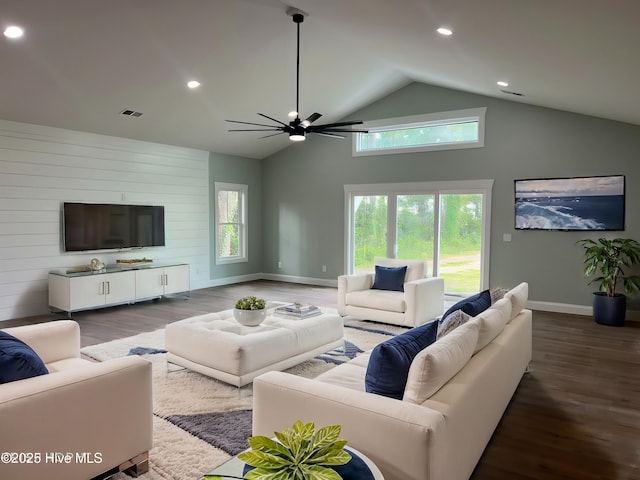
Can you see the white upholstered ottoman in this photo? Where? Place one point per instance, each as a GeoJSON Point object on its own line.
{"type": "Point", "coordinates": [214, 344]}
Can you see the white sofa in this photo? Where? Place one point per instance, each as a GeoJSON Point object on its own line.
{"type": "Point", "coordinates": [427, 435]}
{"type": "Point", "coordinates": [80, 420]}
{"type": "Point", "coordinates": [422, 299]}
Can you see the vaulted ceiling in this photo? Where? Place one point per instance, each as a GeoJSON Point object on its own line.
{"type": "Point", "coordinates": [81, 62]}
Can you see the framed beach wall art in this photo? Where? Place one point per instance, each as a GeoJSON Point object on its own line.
{"type": "Point", "coordinates": [566, 204]}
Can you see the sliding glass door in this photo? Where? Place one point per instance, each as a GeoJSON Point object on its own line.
{"type": "Point", "coordinates": [444, 224]}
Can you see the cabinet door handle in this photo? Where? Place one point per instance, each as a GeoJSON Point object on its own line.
{"type": "Point", "coordinates": [101, 289]}
{"type": "Point", "coordinates": [166, 279]}
{"type": "Point", "coordinates": [108, 288]}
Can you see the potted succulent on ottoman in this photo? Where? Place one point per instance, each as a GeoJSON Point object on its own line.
{"type": "Point", "coordinates": [610, 260]}
{"type": "Point", "coordinates": [250, 311]}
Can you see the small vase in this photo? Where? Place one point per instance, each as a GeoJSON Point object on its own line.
{"type": "Point", "coordinates": [250, 318]}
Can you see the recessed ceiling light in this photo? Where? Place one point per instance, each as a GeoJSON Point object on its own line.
{"type": "Point", "coordinates": [13, 32]}
{"type": "Point", "coordinates": [193, 84]}
{"type": "Point", "coordinates": [503, 83]}
{"type": "Point", "coordinates": [444, 31]}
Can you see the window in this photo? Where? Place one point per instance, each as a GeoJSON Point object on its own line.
{"type": "Point", "coordinates": [446, 224]}
{"type": "Point", "coordinates": [231, 222]}
{"type": "Point", "coordinates": [420, 133]}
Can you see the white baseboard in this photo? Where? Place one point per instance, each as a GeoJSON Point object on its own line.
{"type": "Point", "coordinates": [585, 310]}
{"type": "Point", "coordinates": [571, 309]}
{"type": "Point", "coordinates": [323, 282]}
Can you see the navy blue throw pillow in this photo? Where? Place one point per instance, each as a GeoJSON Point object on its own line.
{"type": "Point", "coordinates": [390, 278]}
{"type": "Point", "coordinates": [389, 363]}
{"type": "Point", "coordinates": [18, 360]}
{"type": "Point", "coordinates": [473, 305]}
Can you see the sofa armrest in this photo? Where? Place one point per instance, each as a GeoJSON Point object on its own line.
{"type": "Point", "coordinates": [424, 299]}
{"type": "Point", "coordinates": [352, 283]}
{"type": "Point", "coordinates": [52, 341]}
{"type": "Point", "coordinates": [101, 408]}
{"type": "Point", "coordinates": [401, 438]}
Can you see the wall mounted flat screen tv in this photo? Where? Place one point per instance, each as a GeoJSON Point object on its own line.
{"type": "Point", "coordinates": [102, 226]}
{"type": "Point", "coordinates": [577, 203]}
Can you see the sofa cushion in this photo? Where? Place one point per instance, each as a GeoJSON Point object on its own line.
{"type": "Point", "coordinates": [389, 278]}
{"type": "Point", "coordinates": [434, 366]}
{"type": "Point", "coordinates": [18, 360]}
{"type": "Point", "coordinates": [451, 322]}
{"type": "Point", "coordinates": [390, 361]}
{"type": "Point", "coordinates": [518, 296]}
{"type": "Point", "coordinates": [490, 323]}
{"type": "Point", "coordinates": [416, 269]}
{"type": "Point", "coordinates": [472, 305]}
{"type": "Point", "coordinates": [504, 306]}
{"type": "Point", "coordinates": [378, 300]}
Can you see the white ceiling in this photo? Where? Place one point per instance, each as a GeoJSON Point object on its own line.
{"type": "Point", "coordinates": [81, 62]}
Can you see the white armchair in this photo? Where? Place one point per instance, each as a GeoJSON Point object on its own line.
{"type": "Point", "coordinates": [80, 420]}
{"type": "Point", "coordinates": [422, 299]}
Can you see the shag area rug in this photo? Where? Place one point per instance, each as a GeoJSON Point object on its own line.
{"type": "Point", "coordinates": [200, 422]}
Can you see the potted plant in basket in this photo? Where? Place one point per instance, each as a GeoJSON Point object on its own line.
{"type": "Point", "coordinates": [250, 311]}
{"type": "Point", "coordinates": [610, 261]}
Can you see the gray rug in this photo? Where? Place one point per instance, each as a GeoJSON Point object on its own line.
{"type": "Point", "coordinates": [227, 431]}
{"type": "Point", "coordinates": [201, 422]}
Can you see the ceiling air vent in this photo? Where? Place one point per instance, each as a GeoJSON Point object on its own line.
{"type": "Point", "coordinates": [130, 113]}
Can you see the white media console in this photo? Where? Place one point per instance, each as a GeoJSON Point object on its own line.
{"type": "Point", "coordinates": [71, 291]}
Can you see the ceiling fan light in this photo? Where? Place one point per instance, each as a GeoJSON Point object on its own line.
{"type": "Point", "coordinates": [297, 137]}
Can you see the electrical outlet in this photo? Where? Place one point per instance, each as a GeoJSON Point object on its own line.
{"type": "Point", "coordinates": [279, 264]}
{"type": "Point", "coordinates": [324, 268]}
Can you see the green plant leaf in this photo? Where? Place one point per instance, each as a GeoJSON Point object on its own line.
{"type": "Point", "coordinates": [263, 474]}
{"type": "Point", "coordinates": [316, 472]}
{"type": "Point", "coordinates": [326, 435]}
{"type": "Point", "coordinates": [332, 455]}
{"type": "Point", "coordinates": [263, 459]}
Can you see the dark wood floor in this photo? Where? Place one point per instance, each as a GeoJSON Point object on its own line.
{"type": "Point", "coordinates": [576, 416]}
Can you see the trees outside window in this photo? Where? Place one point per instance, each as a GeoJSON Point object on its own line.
{"type": "Point", "coordinates": [445, 225]}
{"type": "Point", "coordinates": [231, 225]}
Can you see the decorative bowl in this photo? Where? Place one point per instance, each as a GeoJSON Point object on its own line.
{"type": "Point", "coordinates": [250, 318]}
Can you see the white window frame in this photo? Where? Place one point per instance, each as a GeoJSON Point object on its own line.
{"type": "Point", "coordinates": [243, 198]}
{"type": "Point", "coordinates": [483, 187]}
{"type": "Point", "coordinates": [426, 120]}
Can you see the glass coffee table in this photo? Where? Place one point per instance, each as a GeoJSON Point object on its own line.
{"type": "Point", "coordinates": [360, 467]}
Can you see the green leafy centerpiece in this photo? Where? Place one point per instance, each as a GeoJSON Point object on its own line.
{"type": "Point", "coordinates": [250, 311]}
{"type": "Point", "coordinates": [250, 303]}
{"type": "Point", "coordinates": [298, 453]}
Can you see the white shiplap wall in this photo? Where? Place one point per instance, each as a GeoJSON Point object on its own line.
{"type": "Point", "coordinates": [41, 167]}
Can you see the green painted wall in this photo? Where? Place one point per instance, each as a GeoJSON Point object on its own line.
{"type": "Point", "coordinates": [303, 195]}
{"type": "Point", "coordinates": [247, 171]}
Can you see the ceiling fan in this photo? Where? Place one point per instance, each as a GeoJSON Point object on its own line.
{"type": "Point", "coordinates": [298, 129]}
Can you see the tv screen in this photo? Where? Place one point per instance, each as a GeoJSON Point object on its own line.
{"type": "Point", "coordinates": [576, 203]}
{"type": "Point", "coordinates": [102, 226]}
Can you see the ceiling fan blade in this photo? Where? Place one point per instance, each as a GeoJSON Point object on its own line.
{"type": "Point", "coordinates": [326, 134]}
{"type": "Point", "coordinates": [310, 119]}
{"type": "Point", "coordinates": [337, 124]}
{"type": "Point", "coordinates": [273, 135]}
{"type": "Point", "coordinates": [342, 130]}
{"type": "Point", "coordinates": [250, 123]}
{"type": "Point", "coordinates": [274, 129]}
{"type": "Point", "coordinates": [273, 119]}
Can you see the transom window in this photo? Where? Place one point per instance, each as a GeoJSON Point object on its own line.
{"type": "Point", "coordinates": [231, 224]}
{"type": "Point", "coordinates": [435, 131]}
